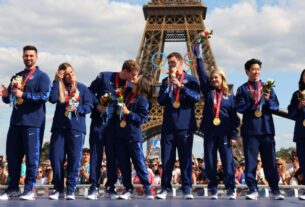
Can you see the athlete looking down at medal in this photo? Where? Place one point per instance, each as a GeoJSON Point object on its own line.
{"type": "Point", "coordinates": [178, 94]}
{"type": "Point", "coordinates": [258, 129]}
{"type": "Point", "coordinates": [219, 125]}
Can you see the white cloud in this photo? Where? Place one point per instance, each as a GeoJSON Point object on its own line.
{"type": "Point", "coordinates": [272, 33]}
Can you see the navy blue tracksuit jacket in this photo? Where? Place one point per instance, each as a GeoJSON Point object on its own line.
{"type": "Point", "coordinates": [26, 129]}
{"type": "Point", "coordinates": [177, 131]}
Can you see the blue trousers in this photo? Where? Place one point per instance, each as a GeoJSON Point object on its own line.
{"type": "Point", "coordinates": [125, 150]}
{"type": "Point", "coordinates": [22, 141]}
{"type": "Point", "coordinates": [70, 143]}
{"type": "Point", "coordinates": [183, 141]}
{"type": "Point", "coordinates": [300, 144]}
{"type": "Point", "coordinates": [211, 145]}
{"type": "Point", "coordinates": [100, 136]}
{"type": "Point", "coordinates": [264, 144]}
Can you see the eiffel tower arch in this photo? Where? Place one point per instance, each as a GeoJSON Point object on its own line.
{"type": "Point", "coordinates": [171, 21]}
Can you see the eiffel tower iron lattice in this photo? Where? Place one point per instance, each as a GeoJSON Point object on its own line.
{"type": "Point", "coordinates": [171, 21]}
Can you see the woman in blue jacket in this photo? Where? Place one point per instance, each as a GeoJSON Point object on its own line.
{"type": "Point", "coordinates": [129, 135]}
{"type": "Point", "coordinates": [73, 102]}
{"type": "Point", "coordinates": [296, 111]}
{"type": "Point", "coordinates": [219, 125]}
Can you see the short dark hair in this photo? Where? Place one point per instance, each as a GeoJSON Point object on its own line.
{"type": "Point", "coordinates": [301, 82]}
{"type": "Point", "coordinates": [29, 47]}
{"type": "Point", "coordinates": [145, 86]}
{"type": "Point", "coordinates": [130, 66]}
{"type": "Point", "coordinates": [86, 150]}
{"type": "Point", "coordinates": [251, 62]}
{"type": "Point", "coordinates": [176, 55]}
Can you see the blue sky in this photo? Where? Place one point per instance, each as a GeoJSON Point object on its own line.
{"type": "Point", "coordinates": [104, 33]}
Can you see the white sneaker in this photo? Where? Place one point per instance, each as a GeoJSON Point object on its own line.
{"type": "Point", "coordinates": [4, 197]}
{"type": "Point", "coordinates": [188, 196]}
{"type": "Point", "coordinates": [54, 195]}
{"type": "Point", "coordinates": [231, 195]}
{"type": "Point", "coordinates": [302, 197]}
{"type": "Point", "coordinates": [279, 196]}
{"type": "Point", "coordinates": [214, 196]}
{"type": "Point", "coordinates": [29, 196]}
{"type": "Point", "coordinates": [126, 195]}
{"type": "Point", "coordinates": [70, 196]}
{"type": "Point", "coordinates": [252, 196]}
{"type": "Point", "coordinates": [148, 195]}
{"type": "Point", "coordinates": [162, 194]}
{"type": "Point", "coordinates": [93, 194]}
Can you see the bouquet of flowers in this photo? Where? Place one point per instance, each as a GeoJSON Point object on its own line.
{"type": "Point", "coordinates": [268, 85]}
{"type": "Point", "coordinates": [105, 100]}
{"type": "Point", "coordinates": [17, 83]}
{"type": "Point", "coordinates": [301, 95]}
{"type": "Point", "coordinates": [120, 97]}
{"type": "Point", "coordinates": [173, 72]}
{"type": "Point", "coordinates": [74, 99]}
{"type": "Point", "coordinates": [206, 34]}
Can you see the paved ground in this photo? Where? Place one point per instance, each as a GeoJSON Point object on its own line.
{"type": "Point", "coordinates": [177, 202]}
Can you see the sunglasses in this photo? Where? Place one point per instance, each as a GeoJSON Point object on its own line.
{"type": "Point", "coordinates": [39, 171]}
{"type": "Point", "coordinates": [279, 163]}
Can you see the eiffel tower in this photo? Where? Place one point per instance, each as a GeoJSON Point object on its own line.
{"type": "Point", "coordinates": [171, 21]}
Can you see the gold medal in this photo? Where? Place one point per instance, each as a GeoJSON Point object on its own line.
{"type": "Point", "coordinates": [304, 123]}
{"type": "Point", "coordinates": [67, 113]}
{"type": "Point", "coordinates": [216, 121]}
{"type": "Point", "coordinates": [176, 104]}
{"type": "Point", "coordinates": [258, 113]}
{"type": "Point", "coordinates": [123, 124]}
{"type": "Point", "coordinates": [19, 101]}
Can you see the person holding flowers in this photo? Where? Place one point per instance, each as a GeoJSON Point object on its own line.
{"type": "Point", "coordinates": [73, 101]}
{"type": "Point", "coordinates": [27, 93]}
{"type": "Point", "coordinates": [219, 125]}
{"type": "Point", "coordinates": [129, 135]}
{"type": "Point", "coordinates": [256, 101]}
{"type": "Point", "coordinates": [106, 85]}
{"type": "Point", "coordinates": [178, 94]}
{"type": "Point", "coordinates": [296, 111]}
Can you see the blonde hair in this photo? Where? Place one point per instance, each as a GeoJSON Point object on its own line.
{"type": "Point", "coordinates": [62, 98]}
{"type": "Point", "coordinates": [224, 85]}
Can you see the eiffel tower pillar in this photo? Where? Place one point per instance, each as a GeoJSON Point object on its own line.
{"type": "Point", "coordinates": [171, 21]}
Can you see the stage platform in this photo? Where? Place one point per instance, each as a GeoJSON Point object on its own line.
{"type": "Point", "coordinates": [137, 202]}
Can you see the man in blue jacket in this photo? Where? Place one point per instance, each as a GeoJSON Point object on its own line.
{"type": "Point", "coordinates": [178, 94]}
{"type": "Point", "coordinates": [102, 125]}
{"type": "Point", "coordinates": [257, 129]}
{"type": "Point", "coordinates": [27, 93]}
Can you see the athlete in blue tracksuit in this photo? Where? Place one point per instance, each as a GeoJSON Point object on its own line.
{"type": "Point", "coordinates": [73, 101]}
{"type": "Point", "coordinates": [27, 124]}
{"type": "Point", "coordinates": [178, 95]}
{"type": "Point", "coordinates": [296, 111]}
{"type": "Point", "coordinates": [219, 125]}
{"type": "Point", "coordinates": [129, 135]}
{"type": "Point", "coordinates": [258, 129]}
{"type": "Point", "coordinates": [102, 122]}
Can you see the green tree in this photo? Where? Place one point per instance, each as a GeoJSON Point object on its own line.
{"type": "Point", "coordinates": [285, 152]}
{"type": "Point", "coordinates": [45, 151]}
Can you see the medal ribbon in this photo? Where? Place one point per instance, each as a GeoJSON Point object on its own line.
{"type": "Point", "coordinates": [217, 103]}
{"type": "Point", "coordinates": [177, 91]}
{"type": "Point", "coordinates": [32, 70]}
{"type": "Point", "coordinates": [128, 101]}
{"type": "Point", "coordinates": [259, 91]}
